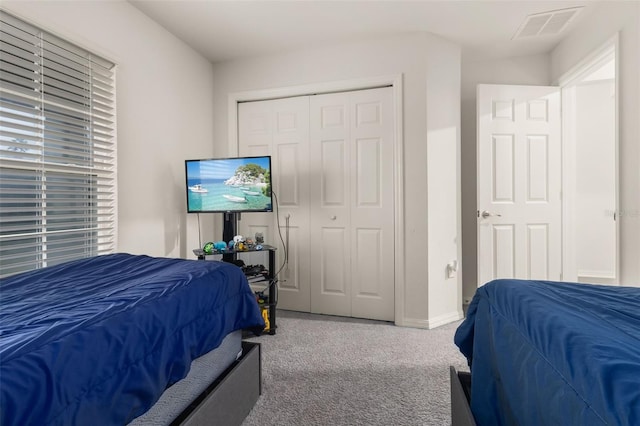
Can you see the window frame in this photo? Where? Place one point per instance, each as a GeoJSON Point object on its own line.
{"type": "Point", "coordinates": [58, 150]}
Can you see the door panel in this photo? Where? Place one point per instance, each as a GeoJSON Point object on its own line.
{"type": "Point", "coordinates": [538, 249]}
{"type": "Point", "coordinates": [519, 182]}
{"type": "Point", "coordinates": [352, 135]}
{"type": "Point", "coordinates": [368, 163]}
{"type": "Point", "coordinates": [503, 250]}
{"type": "Point", "coordinates": [503, 172]}
{"type": "Point", "coordinates": [538, 169]}
{"type": "Point", "coordinates": [290, 143]}
{"type": "Point", "coordinates": [280, 128]}
{"type": "Point", "coordinates": [333, 278]}
{"type": "Point", "coordinates": [369, 251]}
{"type": "Point", "coordinates": [288, 171]}
{"type": "Point", "coordinates": [333, 178]}
{"type": "Point", "coordinates": [290, 283]}
{"type": "Point", "coordinates": [330, 236]}
{"type": "Point", "coordinates": [372, 222]}
{"type": "Point", "coordinates": [255, 136]}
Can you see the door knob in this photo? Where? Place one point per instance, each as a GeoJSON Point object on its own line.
{"type": "Point", "coordinates": [485, 214]}
{"type": "Point", "coordinates": [333, 217]}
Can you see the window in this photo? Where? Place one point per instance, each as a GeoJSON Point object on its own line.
{"type": "Point", "coordinates": [57, 150]}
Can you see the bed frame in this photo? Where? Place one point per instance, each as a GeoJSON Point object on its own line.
{"type": "Point", "coordinates": [230, 398]}
{"type": "Point", "coordinates": [460, 398]}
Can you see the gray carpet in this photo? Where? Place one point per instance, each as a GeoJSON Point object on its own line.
{"type": "Point", "coordinates": [324, 370]}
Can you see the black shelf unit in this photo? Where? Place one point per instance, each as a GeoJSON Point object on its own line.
{"type": "Point", "coordinates": [270, 281]}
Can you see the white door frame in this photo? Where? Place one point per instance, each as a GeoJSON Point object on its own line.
{"type": "Point", "coordinates": [398, 182]}
{"type": "Point", "coordinates": [567, 84]}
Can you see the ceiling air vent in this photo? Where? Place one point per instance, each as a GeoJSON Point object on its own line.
{"type": "Point", "coordinates": [546, 23]}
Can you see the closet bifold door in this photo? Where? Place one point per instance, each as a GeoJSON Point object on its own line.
{"type": "Point", "coordinates": [330, 187]}
{"type": "Point", "coordinates": [280, 128]}
{"type": "Point", "coordinates": [332, 161]}
{"type": "Point", "coordinates": [351, 204]}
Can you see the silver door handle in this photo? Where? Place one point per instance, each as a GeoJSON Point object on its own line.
{"type": "Point", "coordinates": [333, 217]}
{"type": "Point", "coordinates": [485, 214]}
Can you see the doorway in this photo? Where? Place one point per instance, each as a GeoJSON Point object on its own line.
{"type": "Point", "coordinates": [584, 248]}
{"type": "Point", "coordinates": [590, 178]}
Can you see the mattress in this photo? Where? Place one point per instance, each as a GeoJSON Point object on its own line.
{"type": "Point", "coordinates": [549, 353]}
{"type": "Point", "coordinates": [204, 370]}
{"type": "Point", "coordinates": [102, 338]}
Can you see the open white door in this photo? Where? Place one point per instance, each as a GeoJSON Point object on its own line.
{"type": "Point", "coordinates": [519, 182]}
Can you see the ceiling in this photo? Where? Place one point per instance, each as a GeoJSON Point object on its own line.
{"type": "Point", "coordinates": [227, 30]}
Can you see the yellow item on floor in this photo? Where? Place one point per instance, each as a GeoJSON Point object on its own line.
{"type": "Point", "coordinates": [265, 315]}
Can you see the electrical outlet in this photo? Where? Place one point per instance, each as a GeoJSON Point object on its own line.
{"type": "Point", "coordinates": [450, 272]}
{"type": "Point", "coordinates": [452, 269]}
{"type": "Point", "coordinates": [286, 273]}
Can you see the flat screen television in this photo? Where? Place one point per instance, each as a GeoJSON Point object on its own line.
{"type": "Point", "coordinates": [229, 185]}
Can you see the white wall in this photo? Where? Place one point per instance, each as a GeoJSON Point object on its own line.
{"type": "Point", "coordinates": [443, 170]}
{"type": "Point", "coordinates": [592, 33]}
{"type": "Point", "coordinates": [528, 70]}
{"type": "Point", "coordinates": [431, 70]}
{"type": "Point", "coordinates": [164, 114]}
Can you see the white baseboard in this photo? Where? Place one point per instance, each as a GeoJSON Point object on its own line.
{"type": "Point", "coordinates": [432, 322]}
{"type": "Point", "coordinates": [584, 273]}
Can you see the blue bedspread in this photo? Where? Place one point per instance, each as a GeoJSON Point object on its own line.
{"type": "Point", "coordinates": [96, 341]}
{"type": "Point", "coordinates": [550, 353]}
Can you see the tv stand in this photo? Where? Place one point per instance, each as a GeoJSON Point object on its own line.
{"type": "Point", "coordinates": [270, 281]}
{"type": "Point", "coordinates": [229, 229]}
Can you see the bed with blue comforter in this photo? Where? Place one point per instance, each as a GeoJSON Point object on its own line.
{"type": "Point", "coordinates": [551, 353]}
{"type": "Point", "coordinates": [97, 341]}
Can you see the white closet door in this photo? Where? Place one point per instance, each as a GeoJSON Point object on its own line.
{"type": "Point", "coordinates": [372, 204]}
{"type": "Point", "coordinates": [280, 128]}
{"type": "Point", "coordinates": [330, 246]}
{"type": "Point", "coordinates": [351, 214]}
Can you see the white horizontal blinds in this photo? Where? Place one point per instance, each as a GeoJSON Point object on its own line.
{"type": "Point", "coordinates": [57, 150]}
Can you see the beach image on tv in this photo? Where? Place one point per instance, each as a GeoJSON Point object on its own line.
{"type": "Point", "coordinates": [232, 184]}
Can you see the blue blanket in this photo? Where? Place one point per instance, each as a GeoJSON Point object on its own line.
{"type": "Point", "coordinates": [97, 341]}
{"type": "Point", "coordinates": [550, 353]}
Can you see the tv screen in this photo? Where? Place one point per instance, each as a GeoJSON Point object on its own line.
{"type": "Point", "coordinates": [229, 185]}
